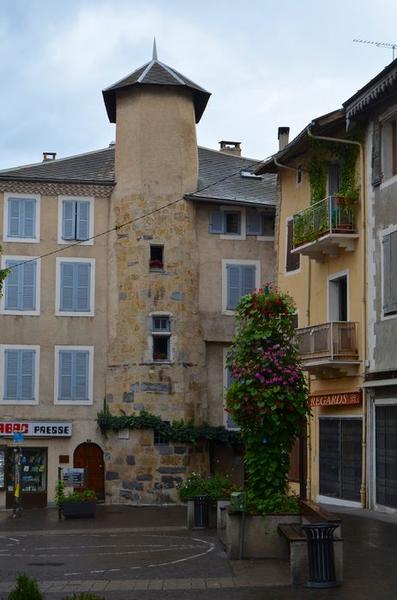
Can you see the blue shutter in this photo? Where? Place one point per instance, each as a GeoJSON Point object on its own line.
{"type": "Point", "coordinates": [65, 375]}
{"type": "Point", "coordinates": [83, 220]}
{"type": "Point", "coordinates": [11, 374]}
{"type": "Point", "coordinates": [29, 218]}
{"type": "Point", "coordinates": [68, 219]}
{"type": "Point", "coordinates": [234, 285]}
{"type": "Point", "coordinates": [12, 286]}
{"type": "Point", "coordinates": [67, 286]}
{"type": "Point", "coordinates": [28, 292]}
{"type": "Point", "coordinates": [248, 279]}
{"type": "Point", "coordinates": [254, 223]}
{"type": "Point", "coordinates": [82, 287]}
{"type": "Point", "coordinates": [27, 359]}
{"type": "Point", "coordinates": [81, 360]}
{"type": "Point", "coordinates": [14, 217]}
{"type": "Point", "coordinates": [216, 222]}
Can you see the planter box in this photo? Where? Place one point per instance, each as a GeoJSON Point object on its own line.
{"type": "Point", "coordinates": [76, 510]}
{"type": "Point", "coordinates": [261, 538]}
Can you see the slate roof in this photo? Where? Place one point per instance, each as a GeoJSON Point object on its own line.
{"type": "Point", "coordinates": [219, 174]}
{"type": "Point", "coordinates": [155, 73]}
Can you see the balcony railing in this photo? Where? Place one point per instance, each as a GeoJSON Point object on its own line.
{"type": "Point", "coordinates": [333, 215]}
{"type": "Point", "coordinates": [335, 341]}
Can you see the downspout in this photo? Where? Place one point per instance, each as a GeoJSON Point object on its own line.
{"type": "Point", "coordinates": [363, 489]}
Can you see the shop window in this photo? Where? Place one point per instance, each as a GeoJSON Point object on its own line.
{"type": "Point", "coordinates": [156, 261]}
{"type": "Point", "coordinates": [161, 338]}
{"type": "Point", "coordinates": [386, 455]}
{"type": "Point", "coordinates": [292, 262]}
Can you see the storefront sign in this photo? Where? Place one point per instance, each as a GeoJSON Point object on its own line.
{"type": "Point", "coordinates": [340, 399]}
{"type": "Point", "coordinates": [36, 428]}
{"type": "Point", "coordinates": [73, 477]}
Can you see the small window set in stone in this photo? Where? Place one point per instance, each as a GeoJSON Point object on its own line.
{"type": "Point", "coordinates": [156, 261]}
{"type": "Point", "coordinates": [159, 439]}
{"type": "Point", "coordinates": [226, 222]}
{"type": "Point", "coordinates": [161, 336]}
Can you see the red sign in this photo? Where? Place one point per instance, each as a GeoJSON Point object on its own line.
{"type": "Point", "coordinates": [337, 399]}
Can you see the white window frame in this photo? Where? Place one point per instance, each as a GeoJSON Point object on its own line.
{"type": "Point", "coordinates": [331, 278]}
{"type": "Point", "coordinates": [34, 402]}
{"type": "Point", "coordinates": [243, 231]}
{"type": "Point", "coordinates": [295, 271]}
{"type": "Point", "coordinates": [237, 261]}
{"type": "Point", "coordinates": [224, 390]}
{"type": "Point", "coordinates": [90, 400]}
{"type": "Point", "coordinates": [169, 334]}
{"type": "Point", "coordinates": [22, 313]}
{"type": "Point", "coordinates": [62, 313]}
{"type": "Point", "coordinates": [382, 234]}
{"type": "Point", "coordinates": [89, 199]}
{"type": "Point", "coordinates": [17, 240]}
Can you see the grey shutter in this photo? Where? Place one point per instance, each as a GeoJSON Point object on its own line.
{"type": "Point", "coordinates": [68, 219]}
{"type": "Point", "coordinates": [14, 217]}
{"type": "Point", "coordinates": [376, 176]}
{"type": "Point", "coordinates": [254, 223]}
{"type": "Point", "coordinates": [80, 379]}
{"type": "Point", "coordinates": [82, 287]}
{"type": "Point", "coordinates": [12, 286]}
{"type": "Point", "coordinates": [29, 218]}
{"type": "Point", "coordinates": [234, 286]}
{"type": "Point", "coordinates": [67, 286]}
{"type": "Point", "coordinates": [393, 272]}
{"type": "Point", "coordinates": [248, 279]}
{"type": "Point", "coordinates": [216, 222]}
{"type": "Point", "coordinates": [65, 375]}
{"type": "Point", "coordinates": [27, 374]}
{"type": "Point", "coordinates": [11, 374]}
{"type": "Point", "coordinates": [82, 220]}
{"type": "Point", "coordinates": [28, 287]}
{"type": "Point", "coordinates": [386, 274]}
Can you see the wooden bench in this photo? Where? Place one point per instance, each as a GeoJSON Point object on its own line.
{"type": "Point", "coordinates": [295, 536]}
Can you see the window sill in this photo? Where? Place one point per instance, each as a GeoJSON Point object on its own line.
{"type": "Point", "coordinates": [158, 362]}
{"type": "Point", "coordinates": [73, 402]}
{"type": "Point", "coordinates": [59, 313]}
{"type": "Point", "coordinates": [62, 242]}
{"type": "Point", "coordinates": [155, 270]}
{"type": "Point", "coordinates": [388, 182]}
{"type": "Point", "coordinates": [20, 313]}
{"type": "Point", "coordinates": [18, 240]}
{"type": "Point", "coordinates": [20, 402]}
{"type": "Point", "coordinates": [231, 236]}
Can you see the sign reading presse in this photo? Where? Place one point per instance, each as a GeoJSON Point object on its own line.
{"type": "Point", "coordinates": [36, 428]}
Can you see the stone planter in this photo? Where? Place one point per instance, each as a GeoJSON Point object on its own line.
{"type": "Point", "coordinates": [77, 510]}
{"type": "Point", "coordinates": [261, 538]}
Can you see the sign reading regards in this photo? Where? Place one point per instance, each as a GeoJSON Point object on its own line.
{"type": "Point", "coordinates": [36, 428]}
{"type": "Point", "coordinates": [340, 399]}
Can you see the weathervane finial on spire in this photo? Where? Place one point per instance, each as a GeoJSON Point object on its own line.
{"type": "Point", "coordinates": [154, 50]}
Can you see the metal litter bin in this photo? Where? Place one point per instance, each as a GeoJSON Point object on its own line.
{"type": "Point", "coordinates": [320, 548]}
{"type": "Point", "coordinates": [201, 505]}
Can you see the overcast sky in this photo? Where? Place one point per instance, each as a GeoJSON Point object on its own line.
{"type": "Point", "coordinates": [266, 63]}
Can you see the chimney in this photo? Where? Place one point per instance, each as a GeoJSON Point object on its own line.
{"type": "Point", "coordinates": [49, 156]}
{"type": "Point", "coordinates": [230, 147]}
{"type": "Point", "coordinates": [283, 137]}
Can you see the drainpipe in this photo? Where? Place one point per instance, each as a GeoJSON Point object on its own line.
{"type": "Point", "coordinates": [363, 489]}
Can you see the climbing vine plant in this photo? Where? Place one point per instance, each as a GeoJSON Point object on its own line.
{"type": "Point", "coordinates": [268, 397]}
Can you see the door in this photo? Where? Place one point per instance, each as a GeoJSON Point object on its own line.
{"type": "Point", "coordinates": [386, 455]}
{"type": "Point", "coordinates": [90, 457]}
{"type": "Point", "coordinates": [338, 300]}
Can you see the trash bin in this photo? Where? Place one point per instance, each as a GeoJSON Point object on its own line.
{"type": "Point", "coordinates": [320, 549]}
{"type": "Point", "coordinates": [201, 505]}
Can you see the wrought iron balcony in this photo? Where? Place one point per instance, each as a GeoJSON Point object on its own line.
{"type": "Point", "coordinates": [329, 348]}
{"type": "Point", "coordinates": [324, 228]}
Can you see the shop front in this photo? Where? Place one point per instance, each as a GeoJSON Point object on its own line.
{"type": "Point", "coordinates": [24, 460]}
{"type": "Point", "coordinates": [339, 428]}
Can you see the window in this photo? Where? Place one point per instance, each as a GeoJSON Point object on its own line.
{"type": "Point", "coordinates": [21, 286]}
{"type": "Point", "coordinates": [161, 338]}
{"type": "Point", "coordinates": [333, 179]}
{"type": "Point", "coordinates": [20, 374]}
{"type": "Point", "coordinates": [292, 262]}
{"type": "Point", "coordinates": [338, 298]}
{"type": "Point", "coordinates": [227, 222]}
{"type": "Point", "coordinates": [75, 219]}
{"type": "Point", "coordinates": [260, 223]}
{"type": "Point", "coordinates": [73, 374]}
{"type": "Point", "coordinates": [299, 175]}
{"type": "Point", "coordinates": [240, 278]}
{"type": "Point", "coordinates": [390, 273]}
{"type": "Point", "coordinates": [21, 218]}
{"type": "Point", "coordinates": [156, 261]}
{"type": "Point", "coordinates": [384, 151]}
{"type": "Point", "coordinates": [75, 287]}
{"type": "Point", "coordinates": [159, 439]}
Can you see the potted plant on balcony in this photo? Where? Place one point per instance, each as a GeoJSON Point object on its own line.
{"type": "Point", "coordinates": [75, 504]}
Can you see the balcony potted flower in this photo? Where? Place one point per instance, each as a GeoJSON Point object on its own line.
{"type": "Point", "coordinates": [75, 504]}
{"type": "Point", "coordinates": [156, 264]}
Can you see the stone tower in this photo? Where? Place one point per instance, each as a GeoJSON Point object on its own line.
{"type": "Point", "coordinates": [156, 353]}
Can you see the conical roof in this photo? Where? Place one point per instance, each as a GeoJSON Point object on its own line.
{"type": "Point", "coordinates": [155, 73]}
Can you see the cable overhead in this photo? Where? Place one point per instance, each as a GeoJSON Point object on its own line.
{"type": "Point", "coordinates": [135, 219]}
